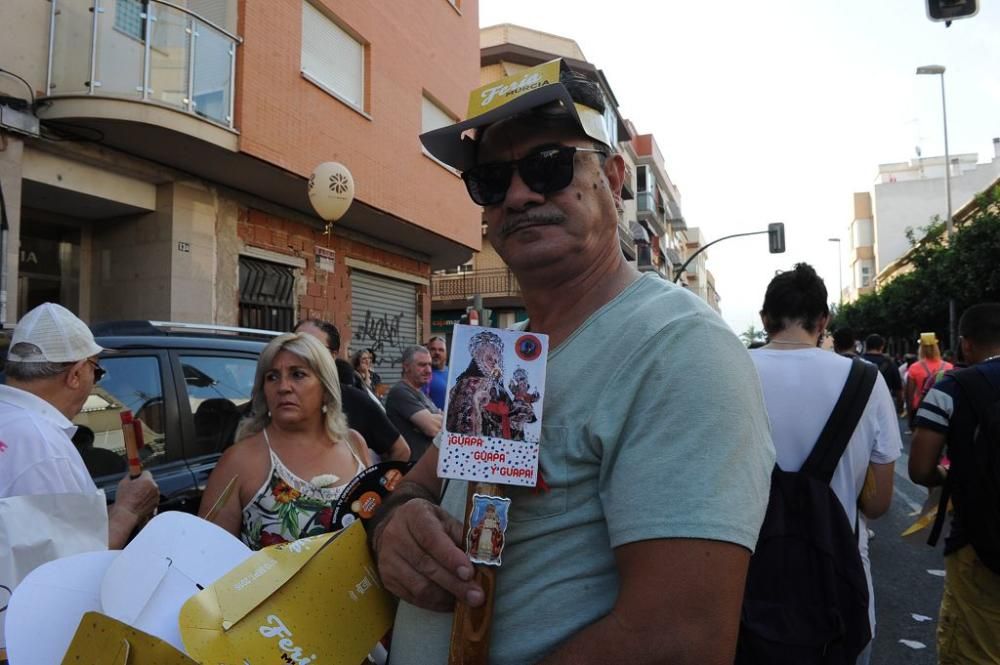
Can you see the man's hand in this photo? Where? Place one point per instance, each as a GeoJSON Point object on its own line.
{"type": "Point", "coordinates": [138, 495]}
{"type": "Point", "coordinates": [135, 500]}
{"type": "Point", "coordinates": [419, 559]}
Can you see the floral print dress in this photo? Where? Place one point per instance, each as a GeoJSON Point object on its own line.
{"type": "Point", "coordinates": [287, 508]}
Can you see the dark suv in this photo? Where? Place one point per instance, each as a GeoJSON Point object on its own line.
{"type": "Point", "coordinates": [188, 384]}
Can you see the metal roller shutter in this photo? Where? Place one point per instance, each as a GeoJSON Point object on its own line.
{"type": "Point", "coordinates": [384, 316]}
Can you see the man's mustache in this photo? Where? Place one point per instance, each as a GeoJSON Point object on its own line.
{"type": "Point", "coordinates": [514, 222]}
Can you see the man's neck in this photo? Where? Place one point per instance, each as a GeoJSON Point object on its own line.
{"type": "Point", "coordinates": [416, 386]}
{"type": "Point", "coordinates": [48, 390]}
{"type": "Point", "coordinates": [988, 354]}
{"type": "Point", "coordinates": [559, 309]}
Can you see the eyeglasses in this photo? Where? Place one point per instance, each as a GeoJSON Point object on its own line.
{"type": "Point", "coordinates": [544, 172]}
{"type": "Point", "coordinates": [99, 371]}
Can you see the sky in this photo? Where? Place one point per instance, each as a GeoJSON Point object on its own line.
{"type": "Point", "coordinates": [780, 111]}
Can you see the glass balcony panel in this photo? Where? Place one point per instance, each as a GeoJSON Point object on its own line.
{"type": "Point", "coordinates": [646, 202]}
{"type": "Point", "coordinates": [120, 48]}
{"type": "Point", "coordinates": [169, 55]}
{"type": "Point", "coordinates": [74, 29]}
{"type": "Point", "coordinates": [190, 62]}
{"type": "Point", "coordinates": [213, 67]}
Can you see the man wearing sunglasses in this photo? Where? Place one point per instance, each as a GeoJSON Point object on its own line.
{"type": "Point", "coordinates": [636, 547]}
{"type": "Point", "coordinates": [51, 370]}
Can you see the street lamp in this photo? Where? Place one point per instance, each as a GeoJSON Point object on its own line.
{"type": "Point", "coordinates": [938, 70]}
{"type": "Point", "coordinates": [840, 271]}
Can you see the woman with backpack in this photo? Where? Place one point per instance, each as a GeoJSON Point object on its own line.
{"type": "Point", "coordinates": [921, 375]}
{"type": "Point", "coordinates": [833, 424]}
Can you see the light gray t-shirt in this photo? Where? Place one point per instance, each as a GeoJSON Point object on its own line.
{"type": "Point", "coordinates": [654, 427]}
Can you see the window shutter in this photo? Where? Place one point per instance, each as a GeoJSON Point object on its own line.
{"type": "Point", "coordinates": [332, 57]}
{"type": "Point", "coordinates": [433, 117]}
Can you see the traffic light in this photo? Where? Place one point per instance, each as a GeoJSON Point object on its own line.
{"type": "Point", "coordinates": [948, 10]}
{"type": "Point", "coordinates": [776, 237]}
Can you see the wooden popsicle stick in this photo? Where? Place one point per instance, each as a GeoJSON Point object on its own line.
{"type": "Point", "coordinates": [221, 501]}
{"type": "Point", "coordinates": [471, 626]}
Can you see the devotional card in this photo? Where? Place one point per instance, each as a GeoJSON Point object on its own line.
{"type": "Point", "coordinates": [493, 410]}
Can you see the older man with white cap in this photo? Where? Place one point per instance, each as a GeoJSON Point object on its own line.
{"type": "Point", "coordinates": [51, 369]}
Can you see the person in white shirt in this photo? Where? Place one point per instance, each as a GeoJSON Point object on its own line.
{"type": "Point", "coordinates": [801, 385]}
{"type": "Point", "coordinates": [51, 369]}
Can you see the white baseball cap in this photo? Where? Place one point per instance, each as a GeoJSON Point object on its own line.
{"type": "Point", "coordinates": [57, 334]}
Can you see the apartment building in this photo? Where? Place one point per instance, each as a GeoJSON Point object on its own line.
{"type": "Point", "coordinates": [906, 195]}
{"type": "Point", "coordinates": [658, 203]}
{"type": "Point", "coordinates": [861, 251]}
{"type": "Point", "coordinates": [699, 278]}
{"type": "Point", "coordinates": [161, 171]}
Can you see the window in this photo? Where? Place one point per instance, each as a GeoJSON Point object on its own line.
{"type": "Point", "coordinates": [331, 58]}
{"type": "Point", "coordinates": [866, 277]}
{"type": "Point", "coordinates": [218, 389]}
{"type": "Point", "coordinates": [433, 116]}
{"type": "Point", "coordinates": [133, 383]}
{"type": "Point", "coordinates": [130, 16]}
{"type": "Point", "coordinates": [267, 292]}
{"type": "Point", "coordinates": [611, 123]}
{"type": "Point", "coordinates": [640, 178]}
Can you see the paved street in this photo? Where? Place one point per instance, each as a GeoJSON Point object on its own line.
{"type": "Point", "coordinates": [903, 586]}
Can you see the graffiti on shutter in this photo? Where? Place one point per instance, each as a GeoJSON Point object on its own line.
{"type": "Point", "coordinates": [384, 319]}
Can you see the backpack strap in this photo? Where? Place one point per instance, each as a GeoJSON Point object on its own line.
{"type": "Point", "coordinates": [840, 426]}
{"type": "Point", "coordinates": [978, 389]}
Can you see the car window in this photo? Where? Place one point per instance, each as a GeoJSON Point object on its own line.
{"type": "Point", "coordinates": [218, 389]}
{"type": "Point", "coordinates": [133, 383]}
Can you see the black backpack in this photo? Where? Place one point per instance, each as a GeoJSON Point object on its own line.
{"type": "Point", "coordinates": [806, 597]}
{"type": "Point", "coordinates": [974, 475]}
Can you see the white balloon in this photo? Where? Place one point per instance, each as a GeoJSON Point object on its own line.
{"type": "Point", "coordinates": [331, 190]}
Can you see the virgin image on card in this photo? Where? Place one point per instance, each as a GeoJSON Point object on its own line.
{"type": "Point", "coordinates": [493, 410]}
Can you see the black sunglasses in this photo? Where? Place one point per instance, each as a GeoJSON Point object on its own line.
{"type": "Point", "coordinates": [544, 172]}
{"type": "Point", "coordinates": [99, 371]}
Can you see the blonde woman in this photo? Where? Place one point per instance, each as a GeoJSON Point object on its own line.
{"type": "Point", "coordinates": [294, 453]}
{"type": "Point", "coordinates": [921, 375]}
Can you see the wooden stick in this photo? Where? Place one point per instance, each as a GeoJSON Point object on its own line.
{"type": "Point", "coordinates": [131, 449]}
{"type": "Point", "coordinates": [221, 501]}
{"type": "Point", "coordinates": [471, 626]}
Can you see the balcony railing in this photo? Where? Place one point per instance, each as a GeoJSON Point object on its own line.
{"type": "Point", "coordinates": [149, 50]}
{"type": "Point", "coordinates": [490, 283]}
